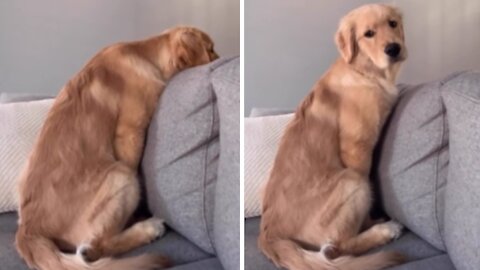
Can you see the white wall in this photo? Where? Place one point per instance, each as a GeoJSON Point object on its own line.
{"type": "Point", "coordinates": [43, 43]}
{"type": "Point", "coordinates": [289, 44]}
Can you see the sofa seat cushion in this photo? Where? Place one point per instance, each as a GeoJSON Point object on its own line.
{"type": "Point", "coordinates": [254, 258]}
{"type": "Point", "coordinates": [408, 244]}
{"type": "Point", "coordinates": [207, 264]}
{"type": "Point", "coordinates": [440, 262]}
{"type": "Point", "coordinates": [173, 245]}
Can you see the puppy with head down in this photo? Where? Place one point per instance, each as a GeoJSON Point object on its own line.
{"type": "Point", "coordinates": [318, 196]}
{"type": "Point", "coordinates": [79, 186]}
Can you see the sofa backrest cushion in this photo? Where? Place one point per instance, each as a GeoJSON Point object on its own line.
{"type": "Point", "coordinates": [226, 85]}
{"type": "Point", "coordinates": [462, 198]}
{"type": "Point", "coordinates": [412, 161]}
{"type": "Point", "coordinates": [181, 155]}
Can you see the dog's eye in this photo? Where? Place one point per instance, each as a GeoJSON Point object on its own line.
{"type": "Point", "coordinates": [392, 24]}
{"type": "Point", "coordinates": [369, 34]}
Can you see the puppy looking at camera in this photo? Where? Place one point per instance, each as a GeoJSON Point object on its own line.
{"type": "Point", "coordinates": [318, 195]}
{"type": "Point", "coordinates": [79, 186]}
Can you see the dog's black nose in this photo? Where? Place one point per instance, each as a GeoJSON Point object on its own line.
{"type": "Point", "coordinates": [392, 49]}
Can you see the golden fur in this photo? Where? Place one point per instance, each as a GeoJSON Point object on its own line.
{"type": "Point", "coordinates": [318, 195]}
{"type": "Point", "coordinates": [79, 186]}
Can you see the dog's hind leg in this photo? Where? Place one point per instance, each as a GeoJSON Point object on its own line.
{"type": "Point", "coordinates": [377, 235]}
{"type": "Point", "coordinates": [352, 215]}
{"type": "Point", "coordinates": [370, 222]}
{"type": "Point", "coordinates": [108, 213]}
{"type": "Point", "coordinates": [139, 234]}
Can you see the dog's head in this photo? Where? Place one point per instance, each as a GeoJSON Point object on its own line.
{"type": "Point", "coordinates": [190, 47]}
{"type": "Point", "coordinates": [373, 32]}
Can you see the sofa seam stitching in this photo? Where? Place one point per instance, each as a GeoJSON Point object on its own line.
{"type": "Point", "coordinates": [476, 101]}
{"type": "Point", "coordinates": [442, 139]}
{"type": "Point", "coordinates": [205, 170]}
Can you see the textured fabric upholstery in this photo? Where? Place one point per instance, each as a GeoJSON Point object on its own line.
{"type": "Point", "coordinates": [20, 124]}
{"type": "Point", "coordinates": [207, 264]}
{"type": "Point", "coordinates": [462, 202]}
{"type": "Point", "coordinates": [440, 262]}
{"type": "Point", "coordinates": [261, 141]}
{"type": "Point", "coordinates": [226, 85]}
{"type": "Point", "coordinates": [181, 155]}
{"type": "Point", "coordinates": [413, 159]}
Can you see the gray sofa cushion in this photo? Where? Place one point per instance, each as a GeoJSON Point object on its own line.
{"type": "Point", "coordinates": [254, 259]}
{"type": "Point", "coordinates": [226, 85]}
{"type": "Point", "coordinates": [173, 245]}
{"type": "Point", "coordinates": [413, 247]}
{"type": "Point", "coordinates": [181, 155]}
{"type": "Point", "coordinates": [208, 264]}
{"type": "Point", "coordinates": [440, 262]}
{"type": "Point", "coordinates": [462, 206]}
{"type": "Point", "coordinates": [413, 159]}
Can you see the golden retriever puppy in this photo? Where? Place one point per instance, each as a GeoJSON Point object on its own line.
{"type": "Point", "coordinates": [318, 195]}
{"type": "Point", "coordinates": [79, 186]}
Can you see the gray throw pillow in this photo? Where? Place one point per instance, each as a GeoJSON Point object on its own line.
{"type": "Point", "coordinates": [462, 199]}
{"type": "Point", "coordinates": [226, 85]}
{"type": "Point", "coordinates": [181, 155]}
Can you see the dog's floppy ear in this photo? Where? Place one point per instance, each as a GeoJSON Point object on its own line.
{"type": "Point", "coordinates": [345, 40]}
{"type": "Point", "coordinates": [189, 49]}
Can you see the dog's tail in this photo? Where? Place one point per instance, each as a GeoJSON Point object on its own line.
{"type": "Point", "coordinates": [41, 253]}
{"type": "Point", "coordinates": [288, 254]}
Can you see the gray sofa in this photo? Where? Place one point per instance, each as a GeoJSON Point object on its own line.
{"type": "Point", "coordinates": [190, 170]}
{"type": "Point", "coordinates": [427, 175]}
